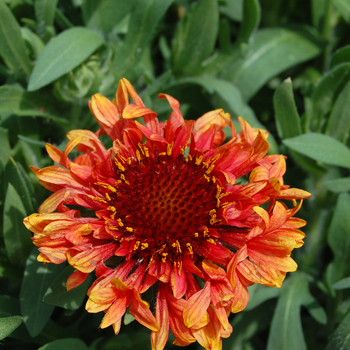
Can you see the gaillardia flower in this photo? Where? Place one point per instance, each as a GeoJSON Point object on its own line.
{"type": "Point", "coordinates": [174, 209]}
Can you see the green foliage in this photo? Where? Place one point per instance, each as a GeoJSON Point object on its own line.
{"type": "Point", "coordinates": [281, 68]}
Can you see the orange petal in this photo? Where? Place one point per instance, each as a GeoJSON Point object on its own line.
{"type": "Point", "coordinates": [55, 154]}
{"type": "Point", "coordinates": [160, 337]}
{"type": "Point", "coordinates": [209, 336]}
{"type": "Point", "coordinates": [140, 310]}
{"type": "Point", "coordinates": [196, 306]}
{"type": "Point", "coordinates": [76, 279]}
{"type": "Point", "coordinates": [178, 282]}
{"type": "Point", "coordinates": [116, 311]}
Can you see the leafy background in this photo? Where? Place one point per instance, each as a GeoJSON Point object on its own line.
{"type": "Point", "coordinates": [282, 65]}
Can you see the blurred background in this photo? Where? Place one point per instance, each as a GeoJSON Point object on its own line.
{"type": "Point", "coordinates": [284, 66]}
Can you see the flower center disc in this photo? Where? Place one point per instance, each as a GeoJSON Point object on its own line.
{"type": "Point", "coordinates": [164, 203]}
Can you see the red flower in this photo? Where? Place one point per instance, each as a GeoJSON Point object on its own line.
{"type": "Point", "coordinates": [169, 213]}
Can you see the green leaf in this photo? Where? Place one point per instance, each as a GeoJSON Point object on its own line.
{"type": "Point", "coordinates": [17, 101]}
{"type": "Point", "coordinates": [251, 20]}
{"type": "Point", "coordinates": [16, 236]}
{"type": "Point", "coordinates": [45, 15]}
{"type": "Point", "coordinates": [342, 284]}
{"type": "Point", "coordinates": [339, 240]}
{"type": "Point", "coordinates": [287, 117]}
{"type": "Point", "coordinates": [143, 23]}
{"type": "Point", "coordinates": [37, 279]}
{"type": "Point", "coordinates": [232, 9]}
{"type": "Point", "coordinates": [343, 6]}
{"type": "Point", "coordinates": [339, 121]}
{"type": "Point", "coordinates": [260, 295]}
{"type": "Point", "coordinates": [62, 54]}
{"type": "Point", "coordinates": [338, 185]}
{"type": "Point", "coordinates": [66, 344]}
{"type": "Point", "coordinates": [103, 15]}
{"type": "Point", "coordinates": [320, 147]}
{"type": "Point", "coordinates": [12, 45]}
{"type": "Point", "coordinates": [342, 55]}
{"type": "Point", "coordinates": [4, 145]}
{"type": "Point", "coordinates": [33, 42]}
{"type": "Point", "coordinates": [21, 182]}
{"type": "Point", "coordinates": [58, 295]}
{"type": "Point", "coordinates": [318, 8]}
{"type": "Point", "coordinates": [324, 94]}
{"type": "Point", "coordinates": [340, 339]}
{"type": "Point", "coordinates": [286, 330]}
{"type": "Point", "coordinates": [195, 37]}
{"type": "Point", "coordinates": [271, 52]}
{"type": "Point", "coordinates": [8, 325]}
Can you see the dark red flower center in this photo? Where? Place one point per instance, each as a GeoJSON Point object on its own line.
{"type": "Point", "coordinates": [163, 206]}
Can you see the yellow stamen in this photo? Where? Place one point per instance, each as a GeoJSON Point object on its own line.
{"type": "Point", "coordinates": [118, 164]}
{"type": "Point", "coordinates": [107, 186]}
{"type": "Point", "coordinates": [146, 151]}
{"type": "Point", "coordinates": [210, 240]}
{"type": "Point", "coordinates": [144, 246]}
{"type": "Point", "coordinates": [130, 229]}
{"type": "Point", "coordinates": [169, 148]}
{"type": "Point", "coordinates": [199, 160]}
{"type": "Point", "coordinates": [108, 197]}
{"type": "Point", "coordinates": [189, 247]}
{"type": "Point", "coordinates": [138, 155]}
{"type": "Point", "coordinates": [120, 222]}
{"type": "Point", "coordinates": [206, 177]}
{"type": "Point", "coordinates": [164, 257]}
{"type": "Point", "coordinates": [136, 246]}
{"type": "Point", "coordinates": [196, 234]}
{"type": "Point", "coordinates": [140, 147]}
{"type": "Point", "coordinates": [177, 245]}
{"type": "Point", "coordinates": [99, 199]}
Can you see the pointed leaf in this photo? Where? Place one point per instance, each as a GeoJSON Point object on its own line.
{"type": "Point", "coordinates": [338, 185]}
{"type": "Point", "coordinates": [342, 55]}
{"type": "Point", "coordinates": [4, 146]}
{"type": "Point", "coordinates": [343, 6]}
{"type": "Point", "coordinates": [20, 181]}
{"type": "Point", "coordinates": [251, 20]}
{"type": "Point", "coordinates": [58, 295]}
{"type": "Point", "coordinates": [287, 117]}
{"type": "Point", "coordinates": [66, 344]}
{"type": "Point", "coordinates": [271, 52]}
{"type": "Point", "coordinates": [340, 339]}
{"type": "Point", "coordinates": [17, 101]}
{"type": "Point", "coordinates": [103, 15]}
{"type": "Point", "coordinates": [195, 37]}
{"type": "Point", "coordinates": [286, 330]}
{"type": "Point", "coordinates": [17, 238]}
{"type": "Point", "coordinates": [142, 25]}
{"type": "Point", "coordinates": [323, 96]}
{"type": "Point", "coordinates": [339, 240]}
{"type": "Point", "coordinates": [13, 50]}
{"type": "Point", "coordinates": [8, 325]}
{"type": "Point", "coordinates": [44, 14]}
{"type": "Point", "coordinates": [339, 121]}
{"type": "Point", "coordinates": [62, 54]}
{"type": "Point", "coordinates": [322, 148]}
{"type": "Point", "coordinates": [37, 279]}
{"type": "Point", "coordinates": [342, 284]}
{"type": "Point", "coordinates": [260, 295]}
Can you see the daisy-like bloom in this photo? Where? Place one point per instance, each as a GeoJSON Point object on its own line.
{"type": "Point", "coordinates": [169, 207]}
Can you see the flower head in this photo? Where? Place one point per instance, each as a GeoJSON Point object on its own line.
{"type": "Point", "coordinates": [175, 209]}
